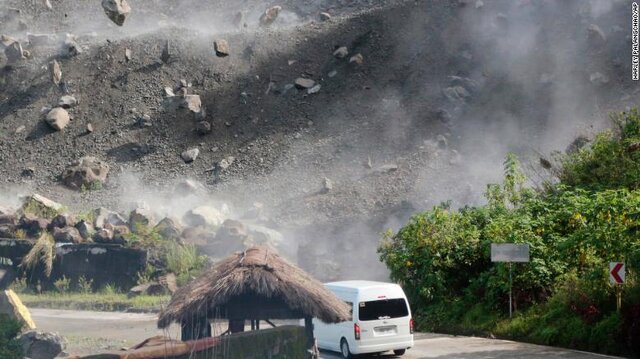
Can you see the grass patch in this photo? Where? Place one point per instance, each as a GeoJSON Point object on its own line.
{"type": "Point", "coordinates": [104, 301]}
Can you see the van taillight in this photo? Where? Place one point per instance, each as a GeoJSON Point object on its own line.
{"type": "Point", "coordinates": [410, 326]}
{"type": "Point", "coordinates": [356, 331]}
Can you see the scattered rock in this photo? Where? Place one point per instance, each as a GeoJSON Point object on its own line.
{"type": "Point", "coordinates": [221, 47]}
{"type": "Point", "coordinates": [70, 46]}
{"type": "Point", "coordinates": [127, 55]}
{"type": "Point", "coordinates": [40, 206]}
{"type": "Point", "coordinates": [188, 186]}
{"type": "Point", "coordinates": [42, 345]}
{"type": "Point", "coordinates": [303, 83]}
{"type": "Point", "coordinates": [152, 288]}
{"type": "Point", "coordinates": [357, 59]}
{"type": "Point", "coordinates": [314, 89]}
{"type": "Point", "coordinates": [119, 234]}
{"type": "Point", "coordinates": [104, 217]}
{"type": "Point", "coordinates": [327, 185]}
{"type": "Point", "coordinates": [85, 229]}
{"type": "Point", "coordinates": [144, 120]}
{"type": "Point", "coordinates": [88, 172]}
{"type": "Point", "coordinates": [192, 103]}
{"type": "Point", "coordinates": [58, 118]}
{"type": "Point", "coordinates": [103, 235]}
{"type": "Point", "coordinates": [190, 155]}
{"type": "Point", "coordinates": [595, 34]}
{"type": "Point", "coordinates": [341, 52]}
{"type": "Point", "coordinates": [325, 16]}
{"type": "Point", "coordinates": [116, 10]}
{"type": "Point", "coordinates": [67, 235]}
{"type": "Point", "coordinates": [224, 163]}
{"type": "Point", "coordinates": [169, 228]}
{"type": "Point", "coordinates": [598, 78]}
{"type": "Point", "coordinates": [28, 172]}
{"type": "Point", "coordinates": [233, 235]}
{"type": "Point", "coordinates": [442, 142]}
{"type": "Point", "coordinates": [6, 41]}
{"type": "Point", "coordinates": [203, 216]}
{"type": "Point", "coordinates": [141, 218]}
{"type": "Point", "coordinates": [266, 236]}
{"type": "Point", "coordinates": [203, 128]}
{"type": "Point", "coordinates": [14, 52]}
{"type": "Point", "coordinates": [8, 219]}
{"type": "Point", "coordinates": [89, 128]}
{"type": "Point", "coordinates": [270, 15]}
{"type": "Point", "coordinates": [7, 231]}
{"type": "Point", "coordinates": [11, 305]}
{"type": "Point", "coordinates": [56, 72]}
{"type": "Point", "coordinates": [62, 220]}
{"type": "Point", "coordinates": [388, 168]}
{"type": "Point", "coordinates": [456, 93]}
{"type": "Point", "coordinates": [67, 101]}
{"type": "Point", "coordinates": [33, 225]}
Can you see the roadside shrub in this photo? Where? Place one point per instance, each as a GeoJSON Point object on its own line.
{"type": "Point", "coordinates": [574, 228]}
{"type": "Point", "coordinates": [10, 347]}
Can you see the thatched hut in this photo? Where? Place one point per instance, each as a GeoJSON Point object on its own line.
{"type": "Point", "coordinates": [255, 285]}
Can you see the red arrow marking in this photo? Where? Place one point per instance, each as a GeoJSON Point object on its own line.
{"type": "Point", "coordinates": [615, 274]}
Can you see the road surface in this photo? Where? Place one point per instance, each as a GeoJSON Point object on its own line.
{"type": "Point", "coordinates": [91, 332]}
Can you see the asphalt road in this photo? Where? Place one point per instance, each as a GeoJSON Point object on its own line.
{"type": "Point", "coordinates": [91, 332]}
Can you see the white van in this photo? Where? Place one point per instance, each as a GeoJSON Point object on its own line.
{"type": "Point", "coordinates": [381, 320]}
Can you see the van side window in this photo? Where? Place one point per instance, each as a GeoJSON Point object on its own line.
{"type": "Point", "coordinates": [350, 310]}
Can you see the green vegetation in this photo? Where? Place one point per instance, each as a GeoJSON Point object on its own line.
{"type": "Point", "coordinates": [42, 252]}
{"type": "Point", "coordinates": [103, 300]}
{"type": "Point", "coordinates": [574, 228]}
{"type": "Point", "coordinates": [10, 347]}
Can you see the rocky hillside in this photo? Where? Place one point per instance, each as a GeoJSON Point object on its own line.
{"type": "Point", "coordinates": [334, 124]}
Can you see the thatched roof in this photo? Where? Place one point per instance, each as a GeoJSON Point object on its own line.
{"type": "Point", "coordinates": [254, 284]}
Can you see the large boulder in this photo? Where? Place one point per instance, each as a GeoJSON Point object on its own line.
{"type": "Point", "coordinates": [270, 15]}
{"type": "Point", "coordinates": [85, 229]}
{"type": "Point", "coordinates": [265, 236]}
{"type": "Point", "coordinates": [198, 236]}
{"type": "Point", "coordinates": [11, 305]}
{"type": "Point", "coordinates": [103, 235]}
{"type": "Point", "coordinates": [40, 206]}
{"type": "Point", "coordinates": [116, 10]}
{"type": "Point", "coordinates": [169, 228]}
{"type": "Point", "coordinates": [152, 288]}
{"type": "Point", "coordinates": [62, 220]}
{"type": "Point", "coordinates": [33, 225]}
{"type": "Point", "coordinates": [58, 118]}
{"type": "Point", "coordinates": [67, 235]}
{"type": "Point", "coordinates": [87, 172]}
{"type": "Point", "coordinates": [103, 217]}
{"type": "Point", "coordinates": [42, 345]}
{"type": "Point", "coordinates": [141, 218]}
{"type": "Point", "coordinates": [203, 216]}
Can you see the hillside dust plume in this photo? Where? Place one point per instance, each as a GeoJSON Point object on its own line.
{"type": "Point", "coordinates": [423, 109]}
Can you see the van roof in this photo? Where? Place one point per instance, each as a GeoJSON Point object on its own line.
{"type": "Point", "coordinates": [359, 284]}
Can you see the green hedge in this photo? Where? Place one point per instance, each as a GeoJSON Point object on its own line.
{"type": "Point", "coordinates": [574, 228]}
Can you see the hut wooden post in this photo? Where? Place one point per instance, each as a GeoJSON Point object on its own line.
{"type": "Point", "coordinates": [308, 329]}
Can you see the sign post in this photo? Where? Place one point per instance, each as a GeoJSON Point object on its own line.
{"type": "Point", "coordinates": [510, 253]}
{"type": "Point", "coordinates": [616, 278]}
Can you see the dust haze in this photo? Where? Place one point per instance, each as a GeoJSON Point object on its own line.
{"type": "Point", "coordinates": [397, 137]}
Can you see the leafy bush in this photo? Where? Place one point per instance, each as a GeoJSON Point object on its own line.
{"type": "Point", "coordinates": [10, 347]}
{"type": "Point", "coordinates": [183, 260]}
{"type": "Point", "coordinates": [574, 229]}
{"type": "Point", "coordinates": [612, 161]}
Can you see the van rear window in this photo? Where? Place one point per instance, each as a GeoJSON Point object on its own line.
{"type": "Point", "coordinates": [383, 309]}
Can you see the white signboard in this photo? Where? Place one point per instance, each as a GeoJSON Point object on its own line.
{"type": "Point", "coordinates": [509, 252]}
